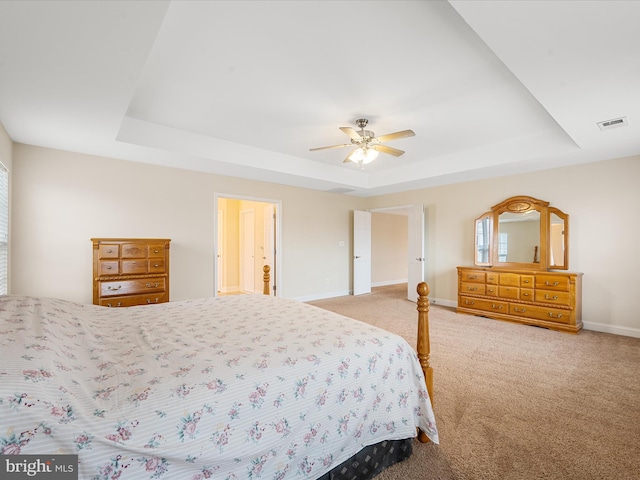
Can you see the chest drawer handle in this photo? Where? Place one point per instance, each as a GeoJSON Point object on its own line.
{"type": "Point", "coordinates": [109, 267]}
{"type": "Point", "coordinates": [117, 305]}
{"type": "Point", "coordinates": [149, 301]}
{"type": "Point", "coordinates": [525, 281]}
{"type": "Point", "coordinates": [555, 297]}
{"type": "Point", "coordinates": [472, 277]}
{"type": "Point", "coordinates": [469, 302]}
{"type": "Point", "coordinates": [114, 288]}
{"type": "Point", "coordinates": [156, 265]}
{"type": "Point", "coordinates": [472, 289]}
{"type": "Point", "coordinates": [551, 284]}
{"type": "Point", "coordinates": [151, 285]}
{"type": "Point", "coordinates": [555, 316]}
{"type": "Point", "coordinates": [520, 310]}
{"type": "Point", "coordinates": [525, 294]}
{"type": "Point", "coordinates": [497, 307]}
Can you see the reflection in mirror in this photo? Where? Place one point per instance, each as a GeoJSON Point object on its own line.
{"type": "Point", "coordinates": [519, 237]}
{"type": "Point", "coordinates": [557, 241]}
{"type": "Point", "coordinates": [483, 240]}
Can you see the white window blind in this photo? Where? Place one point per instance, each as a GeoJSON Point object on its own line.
{"type": "Point", "coordinates": [4, 228]}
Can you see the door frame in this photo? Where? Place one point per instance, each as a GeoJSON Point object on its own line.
{"type": "Point", "coordinates": [276, 278]}
{"type": "Point", "coordinates": [407, 208]}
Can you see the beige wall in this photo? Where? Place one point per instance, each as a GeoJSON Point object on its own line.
{"type": "Point", "coordinates": [62, 199]}
{"type": "Point", "coordinates": [389, 251]}
{"type": "Point", "coordinates": [601, 199]}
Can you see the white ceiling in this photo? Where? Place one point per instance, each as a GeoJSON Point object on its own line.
{"type": "Point", "coordinates": [246, 88]}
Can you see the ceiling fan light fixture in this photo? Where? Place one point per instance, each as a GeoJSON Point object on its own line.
{"type": "Point", "coordinates": [363, 155]}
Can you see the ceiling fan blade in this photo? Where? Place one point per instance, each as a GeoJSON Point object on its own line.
{"type": "Point", "coordinates": [389, 150]}
{"type": "Point", "coordinates": [352, 133]}
{"type": "Point", "coordinates": [332, 146]}
{"type": "Point", "coordinates": [396, 135]}
{"type": "Point", "coordinates": [347, 159]}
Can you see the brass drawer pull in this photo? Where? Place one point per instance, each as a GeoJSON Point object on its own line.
{"type": "Point", "coordinates": [114, 288]}
{"type": "Point", "coordinates": [555, 316]}
{"type": "Point", "coordinates": [555, 297]}
{"type": "Point", "coordinates": [497, 307]}
{"type": "Point", "coordinates": [109, 267]}
{"type": "Point", "coordinates": [149, 301]}
{"type": "Point", "coordinates": [519, 311]}
{"type": "Point", "coordinates": [525, 281]}
{"type": "Point", "coordinates": [152, 285]}
{"type": "Point", "coordinates": [554, 284]}
{"type": "Point", "coordinates": [156, 265]}
{"type": "Point", "coordinates": [472, 289]}
{"type": "Point", "coordinates": [472, 277]}
{"type": "Point", "coordinates": [117, 304]}
{"type": "Point", "coordinates": [525, 294]}
{"type": "Point", "coordinates": [156, 251]}
{"type": "Point", "coordinates": [469, 302]}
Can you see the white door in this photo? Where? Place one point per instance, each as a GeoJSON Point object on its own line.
{"type": "Point", "coordinates": [220, 252]}
{"type": "Point", "coordinates": [247, 255]}
{"type": "Point", "coordinates": [415, 249]}
{"type": "Point", "coordinates": [361, 252]}
{"type": "Point", "coordinates": [269, 242]}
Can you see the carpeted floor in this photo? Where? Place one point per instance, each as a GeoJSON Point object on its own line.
{"type": "Point", "coordinates": [514, 401]}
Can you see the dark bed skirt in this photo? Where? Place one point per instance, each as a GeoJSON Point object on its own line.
{"type": "Point", "coordinates": [372, 460]}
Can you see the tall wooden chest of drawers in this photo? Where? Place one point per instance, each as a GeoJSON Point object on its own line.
{"type": "Point", "coordinates": [130, 271]}
{"type": "Point", "coordinates": [542, 298]}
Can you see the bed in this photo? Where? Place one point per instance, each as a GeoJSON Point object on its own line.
{"type": "Point", "coordinates": [234, 387]}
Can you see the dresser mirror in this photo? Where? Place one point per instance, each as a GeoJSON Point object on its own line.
{"type": "Point", "coordinates": [522, 232]}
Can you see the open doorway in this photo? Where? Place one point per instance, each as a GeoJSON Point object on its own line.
{"type": "Point", "coordinates": [246, 239]}
{"type": "Point", "coordinates": [397, 247]}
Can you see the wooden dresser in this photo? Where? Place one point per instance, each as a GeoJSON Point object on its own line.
{"type": "Point", "coordinates": [130, 271]}
{"type": "Point", "coordinates": [543, 298]}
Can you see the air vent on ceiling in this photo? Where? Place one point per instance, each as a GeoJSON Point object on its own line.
{"type": "Point", "coordinates": [614, 123]}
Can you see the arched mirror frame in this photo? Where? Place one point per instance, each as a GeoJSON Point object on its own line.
{"type": "Point", "coordinates": [553, 251]}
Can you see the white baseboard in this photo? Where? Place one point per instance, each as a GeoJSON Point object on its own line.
{"type": "Point", "coordinates": [322, 296]}
{"type": "Point", "coordinates": [443, 302]}
{"type": "Point", "coordinates": [614, 329]}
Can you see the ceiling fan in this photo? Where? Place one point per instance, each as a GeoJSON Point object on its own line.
{"type": "Point", "coordinates": [367, 144]}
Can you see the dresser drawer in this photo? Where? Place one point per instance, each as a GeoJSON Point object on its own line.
{"type": "Point", "coordinates": [130, 287]}
{"type": "Point", "coordinates": [134, 250]}
{"type": "Point", "coordinates": [527, 281]}
{"type": "Point", "coordinates": [156, 250]}
{"type": "Point", "coordinates": [107, 250]}
{"type": "Point", "coordinates": [108, 268]}
{"type": "Point", "coordinates": [156, 265]}
{"type": "Point", "coordinates": [527, 294]}
{"type": "Point", "coordinates": [541, 313]}
{"type": "Point", "coordinates": [491, 290]}
{"type": "Point", "coordinates": [552, 282]}
{"type": "Point", "coordinates": [512, 279]}
{"type": "Point", "coordinates": [473, 276]}
{"type": "Point", "coordinates": [132, 300]}
{"type": "Point", "coordinates": [556, 297]}
{"type": "Point", "coordinates": [509, 292]}
{"type": "Point", "coordinates": [135, 267]}
{"type": "Point", "coordinates": [473, 288]}
{"type": "Point", "coordinates": [485, 305]}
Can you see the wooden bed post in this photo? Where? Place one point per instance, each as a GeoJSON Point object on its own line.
{"type": "Point", "coordinates": [423, 347]}
{"type": "Point", "coordinates": [266, 278]}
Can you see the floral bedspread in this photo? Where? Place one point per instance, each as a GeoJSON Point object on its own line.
{"type": "Point", "coordinates": [236, 387]}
